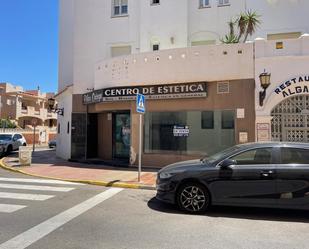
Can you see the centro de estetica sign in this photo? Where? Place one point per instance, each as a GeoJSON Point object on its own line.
{"type": "Point", "coordinates": [168, 91]}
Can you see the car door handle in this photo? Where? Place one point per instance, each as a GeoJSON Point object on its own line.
{"type": "Point", "coordinates": [267, 173]}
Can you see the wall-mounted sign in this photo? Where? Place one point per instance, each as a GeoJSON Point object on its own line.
{"type": "Point", "coordinates": [181, 131]}
{"type": "Point", "coordinates": [243, 137]}
{"type": "Point", "coordinates": [297, 85]}
{"type": "Point", "coordinates": [170, 91]}
{"type": "Point", "coordinates": [263, 132]}
{"type": "Point", "coordinates": [240, 113]}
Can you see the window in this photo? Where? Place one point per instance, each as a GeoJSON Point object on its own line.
{"type": "Point", "coordinates": [207, 120]}
{"type": "Point", "coordinates": [120, 7]}
{"type": "Point", "coordinates": [204, 3]}
{"type": "Point", "coordinates": [155, 47]}
{"type": "Point", "coordinates": [294, 155]}
{"type": "Point", "coordinates": [223, 2]}
{"type": "Point", "coordinates": [257, 156]}
{"type": "Point", "coordinates": [227, 120]}
{"type": "Point", "coordinates": [154, 2]}
{"type": "Point", "coordinates": [186, 132]}
{"type": "Point", "coordinates": [68, 128]}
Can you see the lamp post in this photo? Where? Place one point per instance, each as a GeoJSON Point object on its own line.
{"type": "Point", "coordinates": [51, 106]}
{"type": "Point", "coordinates": [265, 82]}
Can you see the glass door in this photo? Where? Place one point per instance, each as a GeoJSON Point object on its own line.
{"type": "Point", "coordinates": [121, 135]}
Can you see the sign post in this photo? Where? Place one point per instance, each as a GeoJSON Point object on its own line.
{"type": "Point", "coordinates": [140, 108]}
{"type": "Point", "coordinates": [34, 122]}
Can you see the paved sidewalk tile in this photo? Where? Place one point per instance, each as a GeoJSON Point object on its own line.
{"type": "Point", "coordinates": [46, 164]}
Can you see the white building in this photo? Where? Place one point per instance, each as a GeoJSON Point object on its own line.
{"type": "Point", "coordinates": [109, 43]}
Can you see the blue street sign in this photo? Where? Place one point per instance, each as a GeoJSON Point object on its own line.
{"type": "Point", "coordinates": [140, 103]}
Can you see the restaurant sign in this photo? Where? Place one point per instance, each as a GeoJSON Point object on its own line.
{"type": "Point", "coordinates": [297, 85]}
{"type": "Point", "coordinates": [170, 91]}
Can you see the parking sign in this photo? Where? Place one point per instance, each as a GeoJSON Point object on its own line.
{"type": "Point", "coordinates": [140, 103]}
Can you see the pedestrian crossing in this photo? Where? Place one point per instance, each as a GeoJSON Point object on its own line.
{"type": "Point", "coordinates": [29, 190]}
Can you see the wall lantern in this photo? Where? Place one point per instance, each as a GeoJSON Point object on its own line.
{"type": "Point", "coordinates": [53, 108]}
{"type": "Point", "coordinates": [265, 82]}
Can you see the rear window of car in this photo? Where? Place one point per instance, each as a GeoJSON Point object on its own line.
{"type": "Point", "coordinates": [5, 137]}
{"type": "Point", "coordinates": [294, 156]}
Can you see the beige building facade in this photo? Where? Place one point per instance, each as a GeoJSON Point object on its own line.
{"type": "Point", "coordinates": [22, 107]}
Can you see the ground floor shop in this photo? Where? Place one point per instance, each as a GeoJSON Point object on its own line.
{"type": "Point", "coordinates": [199, 119]}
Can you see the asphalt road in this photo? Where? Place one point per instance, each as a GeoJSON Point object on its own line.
{"type": "Point", "coordinates": [84, 216]}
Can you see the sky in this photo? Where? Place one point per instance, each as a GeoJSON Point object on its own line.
{"type": "Point", "coordinates": [29, 43]}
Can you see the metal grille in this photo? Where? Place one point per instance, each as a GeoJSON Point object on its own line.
{"type": "Point", "coordinates": [291, 120]}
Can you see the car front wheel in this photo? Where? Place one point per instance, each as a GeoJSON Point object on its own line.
{"type": "Point", "coordinates": [193, 198]}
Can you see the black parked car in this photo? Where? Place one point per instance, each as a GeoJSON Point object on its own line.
{"type": "Point", "coordinates": [256, 174]}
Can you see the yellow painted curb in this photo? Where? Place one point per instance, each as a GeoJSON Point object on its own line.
{"type": "Point", "coordinates": [91, 182]}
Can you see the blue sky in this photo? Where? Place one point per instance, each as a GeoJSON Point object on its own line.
{"type": "Point", "coordinates": [29, 43]}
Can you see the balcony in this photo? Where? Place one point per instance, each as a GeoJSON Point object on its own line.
{"type": "Point", "coordinates": [42, 113]}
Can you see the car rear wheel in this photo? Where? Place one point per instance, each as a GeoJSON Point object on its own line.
{"type": "Point", "coordinates": [193, 198]}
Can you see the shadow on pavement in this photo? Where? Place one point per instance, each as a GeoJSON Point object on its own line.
{"type": "Point", "coordinates": [268, 214]}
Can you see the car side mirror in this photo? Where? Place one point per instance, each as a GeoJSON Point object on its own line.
{"type": "Point", "coordinates": [14, 139]}
{"type": "Point", "coordinates": [227, 163]}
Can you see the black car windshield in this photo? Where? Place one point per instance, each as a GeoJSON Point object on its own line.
{"type": "Point", "coordinates": [222, 154]}
{"type": "Point", "coordinates": [5, 137]}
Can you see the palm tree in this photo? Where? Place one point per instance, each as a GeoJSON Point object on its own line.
{"type": "Point", "coordinates": [252, 22]}
{"type": "Point", "coordinates": [247, 23]}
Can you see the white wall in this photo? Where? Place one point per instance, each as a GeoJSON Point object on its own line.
{"type": "Point", "coordinates": [165, 24]}
{"type": "Point", "coordinates": [63, 148]}
{"type": "Point", "coordinates": [88, 30]}
{"type": "Point", "coordinates": [284, 64]}
{"type": "Point", "coordinates": [200, 63]}
{"type": "Point", "coordinates": [66, 43]}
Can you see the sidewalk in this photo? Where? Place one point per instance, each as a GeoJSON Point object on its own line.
{"type": "Point", "coordinates": [45, 164]}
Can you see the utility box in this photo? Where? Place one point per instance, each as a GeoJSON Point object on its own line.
{"type": "Point", "coordinates": [25, 155]}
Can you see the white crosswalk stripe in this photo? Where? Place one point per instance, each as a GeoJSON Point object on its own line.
{"type": "Point", "coordinates": [19, 196]}
{"type": "Point", "coordinates": [35, 187]}
{"type": "Point", "coordinates": [30, 185]}
{"type": "Point", "coordinates": [7, 208]}
{"type": "Point", "coordinates": [28, 180]}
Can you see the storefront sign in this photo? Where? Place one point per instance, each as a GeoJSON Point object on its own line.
{"type": "Point", "coordinates": [298, 85]}
{"type": "Point", "coordinates": [170, 91]}
{"type": "Point", "coordinates": [181, 131]}
{"type": "Point", "coordinates": [263, 132]}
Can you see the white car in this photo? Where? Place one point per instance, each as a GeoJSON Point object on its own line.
{"type": "Point", "coordinates": [11, 141]}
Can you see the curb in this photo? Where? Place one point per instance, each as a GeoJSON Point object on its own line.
{"type": "Point", "coordinates": [90, 182]}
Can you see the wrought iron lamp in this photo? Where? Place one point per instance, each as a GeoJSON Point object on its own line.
{"type": "Point", "coordinates": [265, 82]}
{"type": "Point", "coordinates": [53, 108]}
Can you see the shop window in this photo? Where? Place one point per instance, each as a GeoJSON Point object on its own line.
{"type": "Point", "coordinates": [120, 7]}
{"type": "Point", "coordinates": [227, 120]}
{"type": "Point", "coordinates": [190, 132]}
{"type": "Point", "coordinates": [207, 120]}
